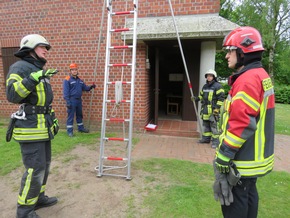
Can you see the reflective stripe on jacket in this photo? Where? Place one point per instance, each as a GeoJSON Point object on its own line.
{"type": "Point", "coordinates": [212, 97]}
{"type": "Point", "coordinates": [248, 123]}
{"type": "Point", "coordinates": [21, 88]}
{"type": "Point", "coordinates": [73, 88]}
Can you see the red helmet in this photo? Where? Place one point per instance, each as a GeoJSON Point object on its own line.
{"type": "Point", "coordinates": [246, 38]}
{"type": "Point", "coordinates": [73, 66]}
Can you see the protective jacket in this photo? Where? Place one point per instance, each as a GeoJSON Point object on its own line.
{"type": "Point", "coordinates": [212, 97]}
{"type": "Point", "coordinates": [248, 122]}
{"type": "Point", "coordinates": [35, 97]}
{"type": "Point", "coordinates": [73, 88]}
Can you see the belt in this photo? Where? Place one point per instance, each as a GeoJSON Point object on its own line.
{"type": "Point", "coordinates": [33, 109]}
{"type": "Point", "coordinates": [75, 98]}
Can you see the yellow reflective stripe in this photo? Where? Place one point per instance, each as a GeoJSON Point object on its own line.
{"type": "Point", "coordinates": [13, 76]}
{"type": "Point", "coordinates": [260, 133]}
{"type": "Point", "coordinates": [20, 89]}
{"type": "Point", "coordinates": [219, 103]}
{"type": "Point", "coordinates": [30, 134]}
{"type": "Point", "coordinates": [210, 95]}
{"type": "Point", "coordinates": [42, 188]}
{"type": "Point", "coordinates": [219, 91]}
{"type": "Point", "coordinates": [207, 134]}
{"type": "Point", "coordinates": [22, 199]}
{"type": "Point", "coordinates": [233, 140]}
{"type": "Point", "coordinates": [247, 99]}
{"type": "Point", "coordinates": [255, 167]}
{"type": "Point", "coordinates": [40, 94]}
{"type": "Point", "coordinates": [41, 121]}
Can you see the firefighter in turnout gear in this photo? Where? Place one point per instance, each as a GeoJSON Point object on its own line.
{"type": "Point", "coordinates": [247, 139]}
{"type": "Point", "coordinates": [73, 88]}
{"type": "Point", "coordinates": [35, 124]}
{"type": "Point", "coordinates": [211, 97]}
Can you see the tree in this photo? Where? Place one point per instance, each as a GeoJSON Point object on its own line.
{"type": "Point", "coordinates": [271, 18]}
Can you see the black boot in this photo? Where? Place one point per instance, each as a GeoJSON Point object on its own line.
{"type": "Point", "coordinates": [204, 141]}
{"type": "Point", "coordinates": [84, 130]}
{"type": "Point", "coordinates": [32, 214]}
{"type": "Point", "coordinates": [45, 201]}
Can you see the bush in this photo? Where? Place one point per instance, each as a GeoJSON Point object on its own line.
{"type": "Point", "coordinates": [282, 94]}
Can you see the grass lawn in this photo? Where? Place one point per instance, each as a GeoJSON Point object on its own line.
{"type": "Point", "coordinates": [176, 188]}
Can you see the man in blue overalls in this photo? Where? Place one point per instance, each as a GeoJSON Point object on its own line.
{"type": "Point", "coordinates": [73, 87]}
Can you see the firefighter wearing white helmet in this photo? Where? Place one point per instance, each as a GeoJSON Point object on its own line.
{"type": "Point", "coordinates": [34, 125]}
{"type": "Point", "coordinates": [246, 148]}
{"type": "Point", "coordinates": [211, 97]}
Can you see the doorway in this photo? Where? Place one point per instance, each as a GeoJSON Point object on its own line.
{"type": "Point", "coordinates": [170, 93]}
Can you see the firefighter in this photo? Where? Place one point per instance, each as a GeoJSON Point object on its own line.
{"type": "Point", "coordinates": [247, 141]}
{"type": "Point", "coordinates": [211, 97]}
{"type": "Point", "coordinates": [73, 87]}
{"type": "Point", "coordinates": [28, 84]}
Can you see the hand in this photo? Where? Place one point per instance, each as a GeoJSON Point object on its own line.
{"type": "Point", "coordinates": [216, 112]}
{"type": "Point", "coordinates": [43, 73]}
{"type": "Point", "coordinates": [50, 72]}
{"type": "Point", "coordinates": [93, 86]}
{"type": "Point", "coordinates": [222, 163]}
{"type": "Point", "coordinates": [221, 188]}
{"type": "Point", "coordinates": [195, 98]}
{"type": "Point", "coordinates": [68, 106]}
{"type": "Point", "coordinates": [55, 126]}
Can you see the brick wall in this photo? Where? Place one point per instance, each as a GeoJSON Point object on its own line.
{"type": "Point", "coordinates": [72, 27]}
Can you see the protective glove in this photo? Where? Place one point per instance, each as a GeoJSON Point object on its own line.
{"type": "Point", "coordinates": [222, 163]}
{"type": "Point", "coordinates": [195, 98]}
{"type": "Point", "coordinates": [43, 73]}
{"type": "Point", "coordinates": [55, 126]}
{"type": "Point", "coordinates": [92, 86]}
{"type": "Point", "coordinates": [222, 189]}
{"type": "Point", "coordinates": [216, 112]}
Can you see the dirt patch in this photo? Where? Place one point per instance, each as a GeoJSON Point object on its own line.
{"type": "Point", "coordinates": [73, 179]}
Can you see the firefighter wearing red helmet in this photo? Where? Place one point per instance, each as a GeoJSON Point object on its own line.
{"type": "Point", "coordinates": [246, 149]}
{"type": "Point", "coordinates": [73, 87]}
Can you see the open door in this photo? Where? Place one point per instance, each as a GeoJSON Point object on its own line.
{"type": "Point", "coordinates": [156, 88]}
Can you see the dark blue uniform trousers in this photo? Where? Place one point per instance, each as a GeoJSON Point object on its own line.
{"type": "Point", "coordinates": [76, 109]}
{"type": "Point", "coordinates": [246, 200]}
{"type": "Point", "coordinates": [36, 157]}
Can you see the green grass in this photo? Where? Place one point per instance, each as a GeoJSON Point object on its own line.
{"type": "Point", "coordinates": [184, 189]}
{"type": "Point", "coordinates": [282, 119]}
{"type": "Point", "coordinates": [173, 188]}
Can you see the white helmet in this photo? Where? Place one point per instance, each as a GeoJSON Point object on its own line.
{"type": "Point", "coordinates": [29, 42]}
{"type": "Point", "coordinates": [33, 40]}
{"type": "Point", "coordinates": [212, 72]}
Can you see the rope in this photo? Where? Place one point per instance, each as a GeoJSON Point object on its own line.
{"type": "Point", "coordinates": [97, 61]}
{"type": "Point", "coordinates": [185, 66]}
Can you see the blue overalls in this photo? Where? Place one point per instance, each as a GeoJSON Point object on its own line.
{"type": "Point", "coordinates": [72, 93]}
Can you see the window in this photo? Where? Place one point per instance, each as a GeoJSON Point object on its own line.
{"type": "Point", "coordinates": [8, 58]}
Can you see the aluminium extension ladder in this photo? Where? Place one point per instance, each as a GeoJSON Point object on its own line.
{"type": "Point", "coordinates": [126, 67]}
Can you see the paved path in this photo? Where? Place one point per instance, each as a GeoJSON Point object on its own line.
{"type": "Point", "coordinates": [184, 148]}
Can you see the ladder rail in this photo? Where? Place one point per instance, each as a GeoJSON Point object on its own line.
{"type": "Point", "coordinates": [105, 91]}
{"type": "Point", "coordinates": [105, 117]}
{"type": "Point", "coordinates": [133, 73]}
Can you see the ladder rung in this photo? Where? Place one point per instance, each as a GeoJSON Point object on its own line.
{"type": "Point", "coordinates": [115, 82]}
{"type": "Point", "coordinates": [121, 30]}
{"type": "Point", "coordinates": [116, 139]}
{"type": "Point", "coordinates": [114, 101]}
{"type": "Point", "coordinates": [123, 12]}
{"type": "Point", "coordinates": [115, 158]}
{"type": "Point", "coordinates": [121, 46]}
{"type": "Point", "coordinates": [119, 65]}
{"type": "Point", "coordinates": [118, 120]}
